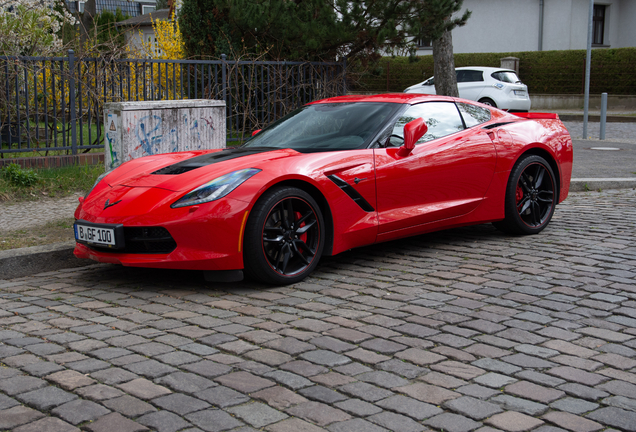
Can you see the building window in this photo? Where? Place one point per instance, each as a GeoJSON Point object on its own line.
{"type": "Point", "coordinates": [154, 45]}
{"type": "Point", "coordinates": [147, 9]}
{"type": "Point", "coordinates": [424, 43]}
{"type": "Point", "coordinates": [598, 25]}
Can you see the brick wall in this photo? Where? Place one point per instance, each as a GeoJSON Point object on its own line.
{"type": "Point", "coordinates": [55, 161]}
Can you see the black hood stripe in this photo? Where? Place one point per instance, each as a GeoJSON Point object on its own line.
{"type": "Point", "coordinates": [210, 158]}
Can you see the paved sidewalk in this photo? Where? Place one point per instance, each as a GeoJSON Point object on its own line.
{"type": "Point", "coordinates": [462, 330]}
{"type": "Point", "coordinates": [614, 132]}
{"type": "Point", "coordinates": [15, 216]}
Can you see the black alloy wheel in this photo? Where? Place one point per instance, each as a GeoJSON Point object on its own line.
{"type": "Point", "coordinates": [284, 237]}
{"type": "Point", "coordinates": [531, 197]}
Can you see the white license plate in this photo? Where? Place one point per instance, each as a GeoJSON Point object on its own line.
{"type": "Point", "coordinates": [95, 235]}
{"type": "Point", "coordinates": [520, 93]}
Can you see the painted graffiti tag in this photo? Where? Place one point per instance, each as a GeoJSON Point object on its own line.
{"type": "Point", "coordinates": [148, 140]}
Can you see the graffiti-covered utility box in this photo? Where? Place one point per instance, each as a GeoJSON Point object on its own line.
{"type": "Point", "coordinates": [136, 129]}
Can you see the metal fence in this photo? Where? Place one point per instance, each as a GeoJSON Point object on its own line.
{"type": "Point", "coordinates": [55, 105]}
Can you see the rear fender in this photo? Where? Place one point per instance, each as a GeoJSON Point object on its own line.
{"type": "Point", "coordinates": [543, 135]}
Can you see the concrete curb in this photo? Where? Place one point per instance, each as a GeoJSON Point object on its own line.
{"type": "Point", "coordinates": [587, 184]}
{"type": "Point", "coordinates": [15, 263]}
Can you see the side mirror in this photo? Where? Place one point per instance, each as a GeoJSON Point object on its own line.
{"type": "Point", "coordinates": [413, 131]}
{"type": "Point", "coordinates": [256, 131]}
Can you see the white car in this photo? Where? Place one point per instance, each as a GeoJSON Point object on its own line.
{"type": "Point", "coordinates": [496, 87]}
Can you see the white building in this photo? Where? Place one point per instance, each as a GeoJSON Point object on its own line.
{"type": "Point", "coordinates": [140, 31]}
{"type": "Point", "coordinates": [542, 25]}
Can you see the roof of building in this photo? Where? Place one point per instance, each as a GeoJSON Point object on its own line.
{"type": "Point", "coordinates": [130, 8]}
{"type": "Point", "coordinates": [147, 19]}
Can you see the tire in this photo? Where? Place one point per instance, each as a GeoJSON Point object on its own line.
{"type": "Point", "coordinates": [531, 196]}
{"type": "Point", "coordinates": [488, 101]}
{"type": "Point", "coordinates": [282, 249]}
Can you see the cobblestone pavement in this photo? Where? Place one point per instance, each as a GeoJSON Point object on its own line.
{"type": "Point", "coordinates": [462, 330]}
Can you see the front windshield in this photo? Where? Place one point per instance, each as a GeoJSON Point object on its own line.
{"type": "Point", "coordinates": [327, 127]}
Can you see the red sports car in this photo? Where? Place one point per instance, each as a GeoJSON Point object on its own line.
{"type": "Point", "coordinates": [333, 175]}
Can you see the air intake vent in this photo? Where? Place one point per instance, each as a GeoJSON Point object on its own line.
{"type": "Point", "coordinates": [352, 192]}
{"type": "Point", "coordinates": [144, 240]}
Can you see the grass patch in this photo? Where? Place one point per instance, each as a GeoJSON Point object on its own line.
{"type": "Point", "coordinates": [52, 232]}
{"type": "Point", "coordinates": [53, 182]}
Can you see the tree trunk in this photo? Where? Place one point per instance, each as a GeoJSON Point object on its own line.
{"type": "Point", "coordinates": [86, 22]}
{"type": "Point", "coordinates": [444, 66]}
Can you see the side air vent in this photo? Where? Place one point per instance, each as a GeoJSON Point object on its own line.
{"type": "Point", "coordinates": [352, 192]}
{"type": "Point", "coordinates": [496, 125]}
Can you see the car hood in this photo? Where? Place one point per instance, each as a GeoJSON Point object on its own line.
{"type": "Point", "coordinates": [186, 170]}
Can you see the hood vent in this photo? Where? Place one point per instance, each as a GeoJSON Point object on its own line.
{"type": "Point", "coordinates": [209, 159]}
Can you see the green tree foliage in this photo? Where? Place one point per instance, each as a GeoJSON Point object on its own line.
{"type": "Point", "coordinates": [105, 32]}
{"type": "Point", "coordinates": [206, 29]}
{"type": "Point", "coordinates": [312, 29]}
{"type": "Point", "coordinates": [437, 18]}
{"type": "Point", "coordinates": [32, 27]}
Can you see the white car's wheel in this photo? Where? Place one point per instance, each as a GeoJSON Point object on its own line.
{"type": "Point", "coordinates": [488, 101]}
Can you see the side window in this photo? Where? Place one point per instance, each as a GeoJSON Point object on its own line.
{"type": "Point", "coordinates": [476, 76]}
{"type": "Point", "coordinates": [442, 118]}
{"type": "Point", "coordinates": [469, 76]}
{"type": "Point", "coordinates": [473, 115]}
{"type": "Point", "coordinates": [506, 76]}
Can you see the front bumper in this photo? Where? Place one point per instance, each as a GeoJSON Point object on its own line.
{"type": "Point", "coordinates": [207, 237]}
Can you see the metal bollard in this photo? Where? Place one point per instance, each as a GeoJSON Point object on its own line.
{"type": "Point", "coordinates": [603, 115]}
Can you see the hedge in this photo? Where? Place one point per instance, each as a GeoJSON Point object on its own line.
{"type": "Point", "coordinates": [544, 72]}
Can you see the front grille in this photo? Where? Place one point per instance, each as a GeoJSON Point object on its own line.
{"type": "Point", "coordinates": [150, 240]}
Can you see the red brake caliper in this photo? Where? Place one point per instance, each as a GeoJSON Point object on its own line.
{"type": "Point", "coordinates": [519, 194]}
{"type": "Point", "coordinates": [303, 236]}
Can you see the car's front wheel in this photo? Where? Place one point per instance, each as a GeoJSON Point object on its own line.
{"type": "Point", "coordinates": [531, 196]}
{"type": "Point", "coordinates": [284, 236]}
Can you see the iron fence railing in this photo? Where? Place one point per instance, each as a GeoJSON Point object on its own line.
{"type": "Point", "coordinates": [56, 104]}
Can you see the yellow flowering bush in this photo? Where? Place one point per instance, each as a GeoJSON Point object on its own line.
{"type": "Point", "coordinates": [166, 77]}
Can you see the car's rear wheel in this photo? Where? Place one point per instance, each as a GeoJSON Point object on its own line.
{"type": "Point", "coordinates": [284, 236]}
{"type": "Point", "coordinates": [488, 101]}
{"type": "Point", "coordinates": [531, 196]}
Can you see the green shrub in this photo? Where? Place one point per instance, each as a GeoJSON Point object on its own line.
{"type": "Point", "coordinates": [18, 176]}
{"type": "Point", "coordinates": [544, 72]}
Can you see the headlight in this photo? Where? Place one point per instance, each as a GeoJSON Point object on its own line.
{"type": "Point", "coordinates": [101, 176]}
{"type": "Point", "coordinates": [215, 189]}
